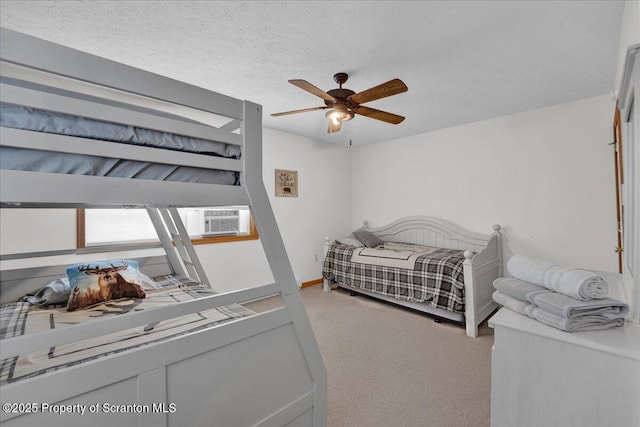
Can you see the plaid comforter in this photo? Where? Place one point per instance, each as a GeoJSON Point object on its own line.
{"type": "Point", "coordinates": [437, 279]}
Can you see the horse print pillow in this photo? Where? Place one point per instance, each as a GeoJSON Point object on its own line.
{"type": "Point", "coordinates": [102, 281]}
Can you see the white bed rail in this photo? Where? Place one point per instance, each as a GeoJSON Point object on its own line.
{"type": "Point", "coordinates": [70, 144]}
{"type": "Point", "coordinates": [35, 341]}
{"type": "Point", "coordinates": [111, 192]}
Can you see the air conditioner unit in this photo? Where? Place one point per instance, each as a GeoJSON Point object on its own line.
{"type": "Point", "coordinates": [218, 222]}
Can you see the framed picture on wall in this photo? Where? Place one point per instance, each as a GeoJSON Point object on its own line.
{"type": "Point", "coordinates": [286, 183]}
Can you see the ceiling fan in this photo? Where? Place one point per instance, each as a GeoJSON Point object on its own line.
{"type": "Point", "coordinates": [343, 104]}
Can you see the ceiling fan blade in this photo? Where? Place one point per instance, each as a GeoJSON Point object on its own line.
{"type": "Point", "coordinates": [305, 85]}
{"type": "Point", "coordinates": [378, 114]}
{"type": "Point", "coordinates": [333, 127]}
{"type": "Point", "coordinates": [304, 110]}
{"type": "Point", "coordinates": [392, 87]}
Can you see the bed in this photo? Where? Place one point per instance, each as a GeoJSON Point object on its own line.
{"type": "Point", "coordinates": [426, 264]}
{"type": "Point", "coordinates": [20, 318]}
{"type": "Point", "coordinates": [180, 353]}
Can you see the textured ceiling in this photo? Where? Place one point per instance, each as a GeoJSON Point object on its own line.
{"type": "Point", "coordinates": [463, 61]}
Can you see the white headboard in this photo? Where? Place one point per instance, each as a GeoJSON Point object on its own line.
{"type": "Point", "coordinates": [431, 231]}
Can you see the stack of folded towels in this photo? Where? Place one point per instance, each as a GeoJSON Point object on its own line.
{"type": "Point", "coordinates": [567, 299]}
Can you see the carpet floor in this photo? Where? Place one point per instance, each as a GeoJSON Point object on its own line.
{"type": "Point", "coordinates": [388, 366]}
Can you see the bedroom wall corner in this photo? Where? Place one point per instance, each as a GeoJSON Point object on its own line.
{"type": "Point", "coordinates": [323, 205]}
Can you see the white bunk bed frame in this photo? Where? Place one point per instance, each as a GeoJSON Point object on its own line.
{"type": "Point", "coordinates": [482, 264]}
{"type": "Point", "coordinates": [262, 370]}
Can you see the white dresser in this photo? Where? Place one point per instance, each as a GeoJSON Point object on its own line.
{"type": "Point", "coordinates": [545, 377]}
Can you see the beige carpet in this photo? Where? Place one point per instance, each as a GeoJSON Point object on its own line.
{"type": "Point", "coordinates": [387, 366]}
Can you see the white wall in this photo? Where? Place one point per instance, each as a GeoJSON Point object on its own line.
{"type": "Point", "coordinates": [323, 206]}
{"type": "Point", "coordinates": [32, 230]}
{"type": "Point", "coordinates": [546, 176]}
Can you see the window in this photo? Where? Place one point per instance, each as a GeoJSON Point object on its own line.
{"type": "Point", "coordinates": [103, 227]}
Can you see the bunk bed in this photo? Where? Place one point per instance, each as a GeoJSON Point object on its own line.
{"type": "Point", "coordinates": [174, 145]}
{"type": "Point", "coordinates": [425, 263]}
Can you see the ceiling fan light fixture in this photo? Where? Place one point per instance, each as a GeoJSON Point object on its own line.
{"type": "Point", "coordinates": [338, 116]}
{"type": "Point", "coordinates": [344, 104]}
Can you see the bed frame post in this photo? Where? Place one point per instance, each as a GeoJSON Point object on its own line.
{"type": "Point", "coordinates": [480, 270]}
{"type": "Point", "coordinates": [471, 325]}
{"type": "Point", "coordinates": [278, 259]}
{"type": "Point", "coordinates": [260, 205]}
{"type": "Point", "coordinates": [498, 233]}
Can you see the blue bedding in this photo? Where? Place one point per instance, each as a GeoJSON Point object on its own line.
{"type": "Point", "coordinates": [78, 164]}
{"type": "Point", "coordinates": [45, 161]}
{"type": "Point", "coordinates": [19, 117]}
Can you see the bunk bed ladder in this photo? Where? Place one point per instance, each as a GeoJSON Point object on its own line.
{"type": "Point", "coordinates": [177, 244]}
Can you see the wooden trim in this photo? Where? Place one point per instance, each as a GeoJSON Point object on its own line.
{"type": "Point", "coordinates": [617, 162]}
{"type": "Point", "coordinates": [80, 229]}
{"type": "Point", "coordinates": [618, 130]}
{"type": "Point", "coordinates": [253, 234]}
{"type": "Point", "coordinates": [311, 283]}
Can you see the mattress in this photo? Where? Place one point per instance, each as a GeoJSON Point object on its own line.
{"type": "Point", "coordinates": [435, 276]}
{"type": "Point", "coordinates": [20, 318]}
{"type": "Point", "coordinates": [19, 117]}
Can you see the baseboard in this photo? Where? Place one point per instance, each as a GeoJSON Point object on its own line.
{"type": "Point", "coordinates": [311, 283]}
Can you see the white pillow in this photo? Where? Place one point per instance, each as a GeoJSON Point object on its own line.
{"type": "Point", "coordinates": [56, 292]}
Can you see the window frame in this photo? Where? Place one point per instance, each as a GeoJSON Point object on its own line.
{"type": "Point", "coordinates": [81, 236]}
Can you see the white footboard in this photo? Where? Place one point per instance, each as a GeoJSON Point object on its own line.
{"type": "Point", "coordinates": [480, 270]}
{"type": "Point", "coordinates": [265, 381]}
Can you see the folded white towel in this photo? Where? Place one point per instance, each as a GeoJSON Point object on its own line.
{"type": "Point", "coordinates": [590, 322]}
{"type": "Point", "coordinates": [579, 284]}
{"type": "Point", "coordinates": [511, 303]}
{"type": "Point", "coordinates": [528, 269]}
{"type": "Point", "coordinates": [574, 324]}
{"type": "Point", "coordinates": [567, 307]}
{"type": "Point", "coordinates": [518, 288]}
{"type": "Point", "coordinates": [559, 304]}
